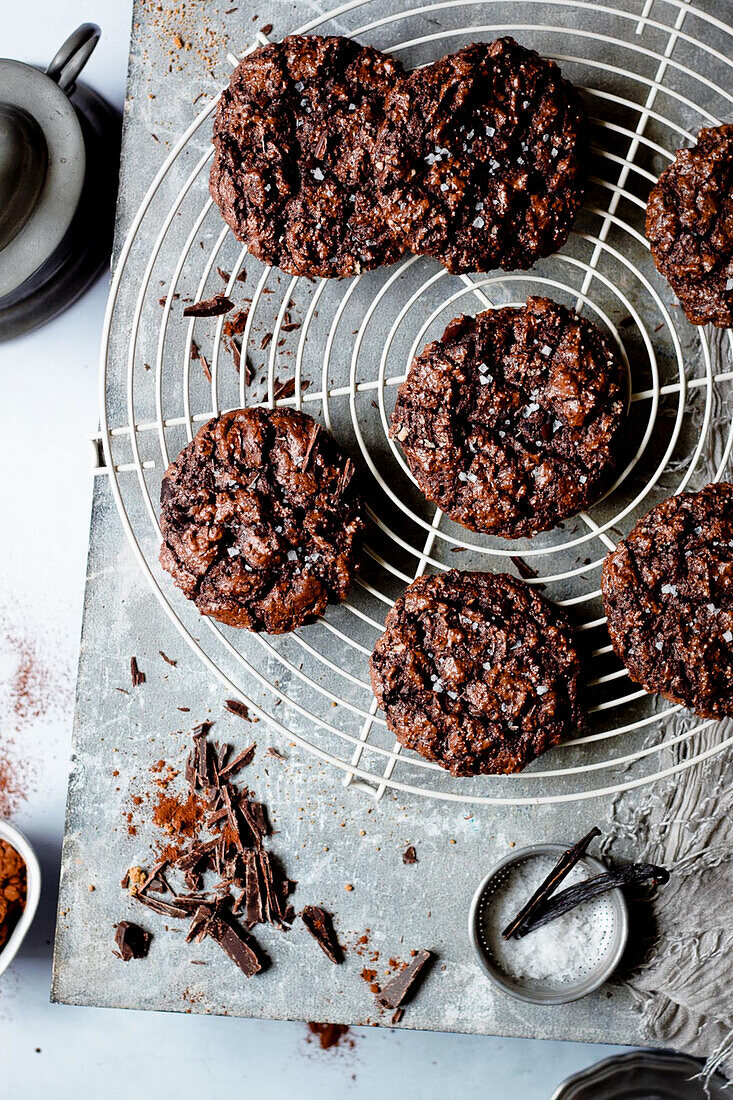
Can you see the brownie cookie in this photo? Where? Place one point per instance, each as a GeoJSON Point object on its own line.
{"type": "Point", "coordinates": [668, 594]}
{"type": "Point", "coordinates": [293, 169]}
{"type": "Point", "coordinates": [477, 671]}
{"type": "Point", "coordinates": [512, 420]}
{"type": "Point", "coordinates": [480, 159]}
{"type": "Point", "coordinates": [261, 519]}
{"type": "Point", "coordinates": [689, 223]}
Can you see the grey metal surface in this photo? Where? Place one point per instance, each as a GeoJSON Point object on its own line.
{"type": "Point", "coordinates": [326, 836]}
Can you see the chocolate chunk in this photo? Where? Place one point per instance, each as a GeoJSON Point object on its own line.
{"type": "Point", "coordinates": [232, 940]}
{"type": "Point", "coordinates": [320, 925]}
{"type": "Point", "coordinates": [399, 989]}
{"type": "Point", "coordinates": [137, 676]}
{"type": "Point", "coordinates": [132, 940]}
{"type": "Point", "coordinates": [200, 919]}
{"type": "Point", "coordinates": [409, 855]}
{"type": "Point", "coordinates": [210, 307]}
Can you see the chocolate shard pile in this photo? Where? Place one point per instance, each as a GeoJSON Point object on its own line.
{"type": "Point", "coordinates": [248, 880]}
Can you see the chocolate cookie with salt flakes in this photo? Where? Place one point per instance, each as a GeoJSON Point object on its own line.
{"type": "Point", "coordinates": [294, 139]}
{"type": "Point", "coordinates": [668, 597]}
{"type": "Point", "coordinates": [689, 223]}
{"type": "Point", "coordinates": [481, 158]}
{"type": "Point", "coordinates": [261, 519]}
{"type": "Point", "coordinates": [512, 421]}
{"type": "Point", "coordinates": [477, 671]}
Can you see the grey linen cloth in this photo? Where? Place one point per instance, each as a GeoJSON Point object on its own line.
{"type": "Point", "coordinates": [685, 986]}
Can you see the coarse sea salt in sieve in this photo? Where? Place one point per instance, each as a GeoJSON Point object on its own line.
{"type": "Point", "coordinates": [555, 951]}
{"type": "Point", "coordinates": [561, 961]}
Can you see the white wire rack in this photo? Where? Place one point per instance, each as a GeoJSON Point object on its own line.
{"type": "Point", "coordinates": [652, 75]}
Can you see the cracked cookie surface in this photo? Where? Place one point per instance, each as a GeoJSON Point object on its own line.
{"type": "Point", "coordinates": [261, 519]}
{"type": "Point", "coordinates": [477, 671]}
{"type": "Point", "coordinates": [481, 158]}
{"type": "Point", "coordinates": [512, 421]}
{"type": "Point", "coordinates": [689, 223]}
{"type": "Point", "coordinates": [294, 139]}
{"type": "Point", "coordinates": [668, 595]}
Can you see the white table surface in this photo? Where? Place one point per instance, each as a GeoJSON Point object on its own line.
{"type": "Point", "coordinates": [47, 412]}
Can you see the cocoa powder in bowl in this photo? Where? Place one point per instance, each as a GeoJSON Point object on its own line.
{"type": "Point", "coordinates": [13, 890]}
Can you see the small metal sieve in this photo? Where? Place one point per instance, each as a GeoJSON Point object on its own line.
{"type": "Point", "coordinates": [594, 965]}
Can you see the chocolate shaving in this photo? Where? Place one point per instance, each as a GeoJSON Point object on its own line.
{"type": "Point", "coordinates": [155, 873]}
{"type": "Point", "coordinates": [275, 753]}
{"type": "Point", "coordinates": [236, 324]}
{"type": "Point", "coordinates": [164, 908]}
{"type": "Point", "coordinates": [235, 706]}
{"type": "Point", "coordinates": [320, 925]}
{"type": "Point", "coordinates": [287, 388]}
{"type": "Point", "coordinates": [233, 819]}
{"type": "Point", "coordinates": [253, 889]}
{"type": "Point", "coordinates": [209, 307]}
{"type": "Point", "coordinates": [198, 356]}
{"type": "Point", "coordinates": [409, 855]}
{"type": "Point", "coordinates": [258, 810]}
{"type": "Point", "coordinates": [345, 476]}
{"type": "Point", "coordinates": [197, 931]}
{"type": "Point", "coordinates": [168, 660]}
{"type": "Point", "coordinates": [132, 940]}
{"type": "Point", "coordinates": [315, 432]}
{"type": "Point", "coordinates": [137, 676]}
{"type": "Point", "coordinates": [399, 989]}
{"type": "Point", "coordinates": [525, 570]}
{"type": "Point", "coordinates": [271, 906]}
{"type": "Point", "coordinates": [241, 760]}
{"type": "Point", "coordinates": [225, 276]}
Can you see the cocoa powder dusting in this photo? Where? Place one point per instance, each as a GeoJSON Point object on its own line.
{"type": "Point", "coordinates": [31, 689]}
{"type": "Point", "coordinates": [177, 816]}
{"type": "Point", "coordinates": [329, 1035]}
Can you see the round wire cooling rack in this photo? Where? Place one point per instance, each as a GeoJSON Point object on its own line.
{"type": "Point", "coordinates": [652, 72]}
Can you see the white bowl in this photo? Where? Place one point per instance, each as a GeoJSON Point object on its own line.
{"type": "Point", "coordinates": [17, 840]}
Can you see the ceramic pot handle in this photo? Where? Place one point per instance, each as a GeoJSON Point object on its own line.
{"type": "Point", "coordinates": [73, 55]}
